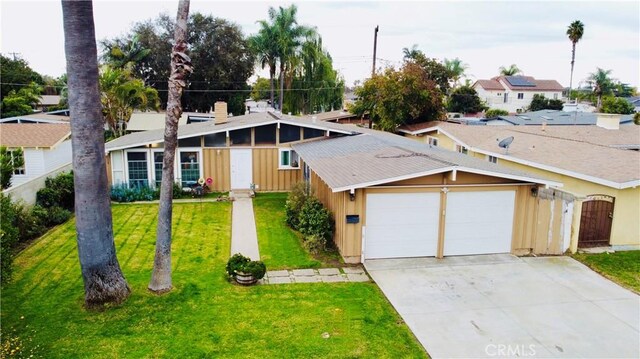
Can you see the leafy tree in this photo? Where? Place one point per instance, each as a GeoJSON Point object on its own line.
{"type": "Point", "coordinates": [103, 279]}
{"type": "Point", "coordinates": [539, 102]}
{"type": "Point", "coordinates": [495, 112]}
{"type": "Point", "coordinates": [260, 89]}
{"type": "Point", "coordinates": [9, 162]}
{"type": "Point", "coordinates": [456, 69]}
{"type": "Point", "coordinates": [624, 90]}
{"type": "Point", "coordinates": [398, 97]}
{"type": "Point", "coordinates": [617, 105]}
{"type": "Point", "coordinates": [21, 102]}
{"type": "Point", "coordinates": [14, 74]}
{"type": "Point", "coordinates": [121, 94]}
{"type": "Point", "coordinates": [601, 83]}
{"type": "Point", "coordinates": [218, 50]}
{"type": "Point", "coordinates": [575, 31]}
{"type": "Point", "coordinates": [180, 70]}
{"type": "Point", "coordinates": [121, 54]}
{"type": "Point", "coordinates": [510, 71]}
{"type": "Point", "coordinates": [465, 100]}
{"type": "Point", "coordinates": [433, 69]}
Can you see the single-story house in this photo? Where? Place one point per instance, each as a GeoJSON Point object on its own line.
{"type": "Point", "coordinates": [598, 165]}
{"type": "Point", "coordinates": [514, 93]}
{"type": "Point", "coordinates": [551, 118]}
{"type": "Point", "coordinates": [47, 101]}
{"type": "Point", "coordinates": [390, 196]}
{"type": "Point", "coordinates": [340, 116]}
{"type": "Point", "coordinates": [49, 117]}
{"type": "Point", "coordinates": [46, 147]}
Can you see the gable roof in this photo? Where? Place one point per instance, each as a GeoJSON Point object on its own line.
{"type": "Point", "coordinates": [575, 151]}
{"type": "Point", "coordinates": [490, 84]}
{"type": "Point", "coordinates": [234, 123]}
{"type": "Point", "coordinates": [519, 83]}
{"type": "Point", "coordinates": [44, 135]}
{"type": "Point", "coordinates": [372, 158]}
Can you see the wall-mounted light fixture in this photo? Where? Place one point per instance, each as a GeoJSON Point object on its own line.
{"type": "Point", "coordinates": [352, 195]}
{"type": "Point", "coordinates": [534, 192]}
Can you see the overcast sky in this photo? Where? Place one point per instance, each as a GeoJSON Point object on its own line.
{"type": "Point", "coordinates": [484, 34]}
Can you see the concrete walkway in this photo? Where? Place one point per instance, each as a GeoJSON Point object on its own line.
{"type": "Point", "coordinates": [244, 238]}
{"type": "Point", "coordinates": [322, 275]}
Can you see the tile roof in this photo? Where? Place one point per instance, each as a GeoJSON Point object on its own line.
{"type": "Point", "coordinates": [33, 134]}
{"type": "Point", "coordinates": [375, 157]}
{"type": "Point", "coordinates": [490, 84]}
{"type": "Point", "coordinates": [499, 83]}
{"type": "Point", "coordinates": [236, 122]}
{"type": "Point", "coordinates": [586, 152]}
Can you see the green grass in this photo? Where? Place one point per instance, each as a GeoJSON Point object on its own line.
{"type": "Point", "coordinates": [204, 316]}
{"type": "Point", "coordinates": [280, 247]}
{"type": "Point", "coordinates": [621, 267]}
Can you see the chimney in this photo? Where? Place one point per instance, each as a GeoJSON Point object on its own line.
{"type": "Point", "coordinates": [608, 121]}
{"type": "Point", "coordinates": [220, 112]}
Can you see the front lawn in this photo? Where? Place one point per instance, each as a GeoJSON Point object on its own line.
{"type": "Point", "coordinates": [621, 267]}
{"type": "Point", "coordinates": [204, 316]}
{"type": "Point", "coordinates": [280, 247]}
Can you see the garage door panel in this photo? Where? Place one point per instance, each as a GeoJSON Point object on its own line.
{"type": "Point", "coordinates": [479, 222]}
{"type": "Point", "coordinates": [401, 225]}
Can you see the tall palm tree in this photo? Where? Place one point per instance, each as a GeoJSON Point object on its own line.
{"type": "Point", "coordinates": [574, 32]}
{"type": "Point", "coordinates": [101, 273]}
{"type": "Point", "coordinates": [289, 38]}
{"type": "Point", "coordinates": [123, 55]}
{"type": "Point", "coordinates": [264, 43]}
{"type": "Point", "coordinates": [510, 71]}
{"type": "Point", "coordinates": [180, 69]}
{"type": "Point", "coordinates": [601, 83]}
{"type": "Point", "coordinates": [456, 69]}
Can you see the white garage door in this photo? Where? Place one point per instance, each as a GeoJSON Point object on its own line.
{"type": "Point", "coordinates": [478, 222]}
{"type": "Point", "coordinates": [402, 225]}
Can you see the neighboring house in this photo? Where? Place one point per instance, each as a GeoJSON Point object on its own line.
{"type": "Point", "coordinates": [51, 117]}
{"type": "Point", "coordinates": [47, 101]}
{"type": "Point", "coordinates": [600, 167]}
{"type": "Point", "coordinates": [146, 121]}
{"type": "Point", "coordinates": [46, 148]}
{"type": "Point", "coordinates": [390, 196]}
{"type": "Point", "coordinates": [339, 116]}
{"type": "Point", "coordinates": [349, 98]}
{"type": "Point", "coordinates": [514, 93]}
{"type": "Point", "coordinates": [578, 107]}
{"type": "Point", "coordinates": [553, 117]}
{"type": "Point", "coordinates": [635, 101]}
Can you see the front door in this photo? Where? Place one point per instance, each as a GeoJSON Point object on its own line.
{"type": "Point", "coordinates": [595, 221]}
{"type": "Point", "coordinates": [241, 168]}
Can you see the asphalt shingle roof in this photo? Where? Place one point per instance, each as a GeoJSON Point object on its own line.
{"type": "Point", "coordinates": [33, 134]}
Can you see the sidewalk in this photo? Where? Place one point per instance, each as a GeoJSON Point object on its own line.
{"type": "Point", "coordinates": [244, 238]}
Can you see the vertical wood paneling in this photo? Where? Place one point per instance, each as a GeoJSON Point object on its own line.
{"type": "Point", "coordinates": [267, 175]}
{"type": "Point", "coordinates": [107, 161]}
{"type": "Point", "coordinates": [217, 166]}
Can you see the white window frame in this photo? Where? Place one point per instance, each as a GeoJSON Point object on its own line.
{"type": "Point", "coordinates": [149, 168]}
{"type": "Point", "coordinates": [282, 166]}
{"type": "Point", "coordinates": [462, 149]}
{"type": "Point", "coordinates": [520, 95]}
{"type": "Point", "coordinates": [433, 141]}
{"type": "Point", "coordinates": [492, 159]}
{"type": "Point", "coordinates": [153, 163]}
{"type": "Point", "coordinates": [177, 168]}
{"type": "Point", "coordinates": [22, 171]}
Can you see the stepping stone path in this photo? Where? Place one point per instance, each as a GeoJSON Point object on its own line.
{"type": "Point", "coordinates": [322, 275]}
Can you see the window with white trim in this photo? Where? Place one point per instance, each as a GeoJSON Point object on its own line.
{"type": "Point", "coordinates": [189, 168]}
{"type": "Point", "coordinates": [555, 96]}
{"type": "Point", "coordinates": [520, 95]}
{"type": "Point", "coordinates": [137, 168]}
{"type": "Point", "coordinates": [492, 159]}
{"type": "Point", "coordinates": [157, 167]}
{"type": "Point", "coordinates": [461, 149]}
{"type": "Point", "coordinates": [433, 141]}
{"type": "Point", "coordinates": [288, 159]}
{"type": "Point", "coordinates": [17, 156]}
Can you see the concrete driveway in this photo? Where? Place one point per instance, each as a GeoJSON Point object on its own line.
{"type": "Point", "coordinates": [505, 306]}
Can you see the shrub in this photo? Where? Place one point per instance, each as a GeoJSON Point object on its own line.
{"type": "Point", "coordinates": [495, 112]}
{"type": "Point", "coordinates": [240, 263]}
{"type": "Point", "coordinates": [256, 268]}
{"type": "Point", "coordinates": [314, 244]}
{"type": "Point", "coordinates": [58, 215]}
{"type": "Point", "coordinates": [8, 237]}
{"type": "Point", "coordinates": [58, 192]}
{"type": "Point", "coordinates": [236, 262]}
{"type": "Point", "coordinates": [298, 196]}
{"type": "Point", "coordinates": [315, 220]}
{"type": "Point", "coordinates": [124, 193]}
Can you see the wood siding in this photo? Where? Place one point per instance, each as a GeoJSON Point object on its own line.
{"type": "Point", "coordinates": [266, 174]}
{"type": "Point", "coordinates": [217, 166]}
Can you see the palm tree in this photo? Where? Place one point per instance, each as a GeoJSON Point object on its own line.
{"type": "Point", "coordinates": [601, 83]}
{"type": "Point", "coordinates": [103, 279]}
{"type": "Point", "coordinates": [575, 32]}
{"type": "Point", "coordinates": [180, 69]}
{"type": "Point", "coordinates": [264, 43]}
{"type": "Point", "coordinates": [289, 38]}
{"type": "Point", "coordinates": [456, 69]}
{"type": "Point", "coordinates": [122, 55]}
{"type": "Point", "coordinates": [510, 71]}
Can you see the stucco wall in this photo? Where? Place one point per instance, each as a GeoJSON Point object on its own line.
{"type": "Point", "coordinates": [26, 191]}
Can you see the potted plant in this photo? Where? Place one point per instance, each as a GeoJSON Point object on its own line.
{"type": "Point", "coordinates": [245, 271]}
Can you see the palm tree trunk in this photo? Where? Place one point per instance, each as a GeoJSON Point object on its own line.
{"type": "Point", "coordinates": [101, 273]}
{"type": "Point", "coordinates": [573, 58]}
{"type": "Point", "coordinates": [272, 74]}
{"type": "Point", "coordinates": [281, 86]}
{"type": "Point", "coordinates": [180, 69]}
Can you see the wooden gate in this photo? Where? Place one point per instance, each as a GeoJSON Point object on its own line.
{"type": "Point", "coordinates": [595, 221]}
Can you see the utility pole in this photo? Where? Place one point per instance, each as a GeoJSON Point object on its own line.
{"type": "Point", "coordinates": [375, 45]}
{"type": "Point", "coordinates": [15, 57]}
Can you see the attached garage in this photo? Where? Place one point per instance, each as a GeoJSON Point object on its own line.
{"type": "Point", "coordinates": [402, 225]}
{"type": "Point", "coordinates": [479, 222]}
